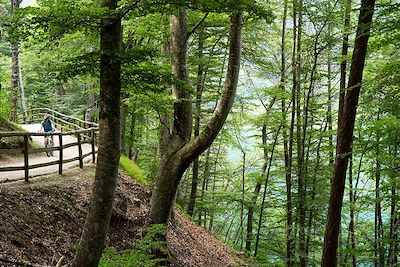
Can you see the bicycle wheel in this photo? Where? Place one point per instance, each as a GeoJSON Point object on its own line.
{"type": "Point", "coordinates": [47, 144]}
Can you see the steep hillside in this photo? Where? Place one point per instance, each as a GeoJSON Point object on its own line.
{"type": "Point", "coordinates": [42, 221]}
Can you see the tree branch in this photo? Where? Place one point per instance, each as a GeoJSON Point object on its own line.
{"type": "Point", "coordinates": [197, 25]}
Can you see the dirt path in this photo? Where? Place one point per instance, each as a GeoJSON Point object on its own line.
{"type": "Point", "coordinates": [37, 158]}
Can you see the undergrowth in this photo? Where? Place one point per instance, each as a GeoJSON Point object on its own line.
{"type": "Point", "coordinates": [140, 255]}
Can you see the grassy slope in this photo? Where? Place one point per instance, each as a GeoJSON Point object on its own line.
{"type": "Point", "coordinates": [10, 142]}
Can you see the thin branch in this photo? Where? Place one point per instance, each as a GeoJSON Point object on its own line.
{"type": "Point", "coordinates": [197, 25]}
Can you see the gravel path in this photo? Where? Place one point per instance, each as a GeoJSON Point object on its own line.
{"type": "Point", "coordinates": [37, 158]}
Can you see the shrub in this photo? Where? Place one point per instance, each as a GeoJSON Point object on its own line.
{"type": "Point", "coordinates": [141, 253]}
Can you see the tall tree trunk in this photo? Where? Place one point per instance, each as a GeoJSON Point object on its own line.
{"type": "Point", "coordinates": [250, 213]}
{"type": "Point", "coordinates": [265, 192]}
{"type": "Point", "coordinates": [394, 213]}
{"type": "Point", "coordinates": [242, 200]}
{"type": "Point", "coordinates": [206, 174]}
{"type": "Point", "coordinates": [123, 116]}
{"type": "Point", "coordinates": [345, 134]}
{"type": "Point", "coordinates": [300, 133]}
{"type": "Point", "coordinates": [329, 113]}
{"type": "Point", "coordinates": [343, 63]}
{"type": "Point", "coordinates": [287, 147]}
{"type": "Point", "coordinates": [181, 151]}
{"type": "Point", "coordinates": [199, 91]}
{"type": "Point", "coordinates": [352, 221]}
{"type": "Point", "coordinates": [94, 233]}
{"type": "Point", "coordinates": [14, 69]}
{"type": "Point", "coordinates": [22, 90]}
{"type": "Point", "coordinates": [132, 129]}
{"type": "Point", "coordinates": [90, 105]}
{"type": "Point", "coordinates": [378, 225]}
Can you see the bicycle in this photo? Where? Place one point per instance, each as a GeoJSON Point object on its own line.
{"type": "Point", "coordinates": [48, 143]}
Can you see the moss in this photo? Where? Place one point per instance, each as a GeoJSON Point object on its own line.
{"type": "Point", "coordinates": [133, 170]}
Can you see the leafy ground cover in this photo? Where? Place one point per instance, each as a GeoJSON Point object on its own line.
{"type": "Point", "coordinates": [42, 222]}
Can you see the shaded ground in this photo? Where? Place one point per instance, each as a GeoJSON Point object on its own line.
{"type": "Point", "coordinates": [42, 221]}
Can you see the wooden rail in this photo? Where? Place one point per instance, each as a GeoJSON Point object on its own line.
{"type": "Point", "coordinates": [83, 130]}
{"type": "Point", "coordinates": [62, 121]}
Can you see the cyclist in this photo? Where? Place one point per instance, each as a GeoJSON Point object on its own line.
{"type": "Point", "coordinates": [47, 126]}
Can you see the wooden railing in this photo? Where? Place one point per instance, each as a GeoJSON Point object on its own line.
{"type": "Point", "coordinates": [62, 121]}
{"type": "Point", "coordinates": [83, 130]}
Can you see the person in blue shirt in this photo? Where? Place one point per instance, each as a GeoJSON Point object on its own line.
{"type": "Point", "coordinates": [47, 126]}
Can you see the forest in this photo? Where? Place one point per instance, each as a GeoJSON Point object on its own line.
{"type": "Point", "coordinates": [272, 124]}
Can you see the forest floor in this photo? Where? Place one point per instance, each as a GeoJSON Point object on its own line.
{"type": "Point", "coordinates": [41, 221]}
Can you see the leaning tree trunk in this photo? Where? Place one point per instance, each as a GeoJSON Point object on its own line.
{"type": "Point", "coordinates": [94, 233]}
{"type": "Point", "coordinates": [181, 151]}
{"type": "Point", "coordinates": [345, 134]}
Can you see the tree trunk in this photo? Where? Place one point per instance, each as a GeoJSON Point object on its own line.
{"type": "Point", "coordinates": [199, 91]}
{"type": "Point", "coordinates": [132, 129]}
{"type": "Point", "coordinates": [287, 145]}
{"type": "Point", "coordinates": [343, 64]}
{"type": "Point", "coordinates": [329, 113]}
{"type": "Point", "coordinates": [91, 101]}
{"type": "Point", "coordinates": [94, 233]}
{"type": "Point", "coordinates": [180, 151]}
{"type": "Point", "coordinates": [123, 116]}
{"type": "Point", "coordinates": [250, 213]}
{"type": "Point", "coordinates": [265, 192]}
{"type": "Point", "coordinates": [242, 200]}
{"type": "Point", "coordinates": [345, 134]}
{"type": "Point", "coordinates": [352, 221]}
{"type": "Point", "coordinates": [206, 173]}
{"type": "Point", "coordinates": [394, 219]}
{"type": "Point", "coordinates": [300, 133]}
{"type": "Point", "coordinates": [22, 90]}
{"type": "Point", "coordinates": [14, 69]}
{"type": "Point", "coordinates": [378, 225]}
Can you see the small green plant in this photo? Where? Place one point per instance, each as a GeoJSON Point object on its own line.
{"type": "Point", "coordinates": [133, 170]}
{"type": "Point", "coordinates": [140, 255]}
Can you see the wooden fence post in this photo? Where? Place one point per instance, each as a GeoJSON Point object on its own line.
{"type": "Point", "coordinates": [93, 148]}
{"type": "Point", "coordinates": [60, 166]}
{"type": "Point", "coordinates": [80, 151]}
{"type": "Point", "coordinates": [26, 163]}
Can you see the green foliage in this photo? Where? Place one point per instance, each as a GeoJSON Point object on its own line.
{"type": "Point", "coordinates": [140, 255]}
{"type": "Point", "coordinates": [133, 170]}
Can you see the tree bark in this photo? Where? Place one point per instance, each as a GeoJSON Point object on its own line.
{"type": "Point", "coordinates": [265, 192]}
{"type": "Point", "coordinates": [394, 219]}
{"type": "Point", "coordinates": [206, 174]}
{"type": "Point", "coordinates": [378, 225]}
{"type": "Point", "coordinates": [94, 233]}
{"type": "Point", "coordinates": [181, 151]}
{"type": "Point", "coordinates": [199, 92]}
{"type": "Point", "coordinates": [22, 90]}
{"type": "Point", "coordinates": [345, 134]}
{"type": "Point", "coordinates": [343, 64]}
{"type": "Point", "coordinates": [14, 69]}
{"type": "Point", "coordinates": [287, 145]}
{"type": "Point", "coordinates": [257, 188]}
{"type": "Point", "coordinates": [90, 105]}
{"type": "Point", "coordinates": [352, 221]}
